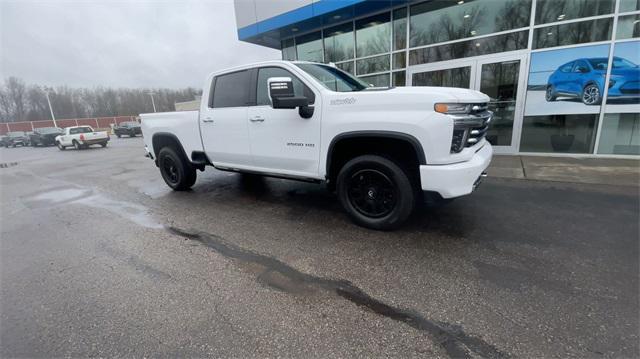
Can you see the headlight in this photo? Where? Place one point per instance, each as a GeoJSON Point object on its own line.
{"type": "Point", "coordinates": [452, 108]}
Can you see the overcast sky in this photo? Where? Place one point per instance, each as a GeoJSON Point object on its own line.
{"type": "Point", "coordinates": [121, 43]}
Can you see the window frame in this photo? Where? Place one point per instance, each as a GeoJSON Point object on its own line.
{"type": "Point", "coordinates": [254, 84]}
{"type": "Point", "coordinates": [213, 89]}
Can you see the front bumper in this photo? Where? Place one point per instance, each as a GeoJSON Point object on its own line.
{"type": "Point", "coordinates": [457, 179]}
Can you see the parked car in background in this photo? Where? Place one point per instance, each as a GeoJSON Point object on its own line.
{"type": "Point", "coordinates": [81, 137]}
{"type": "Point", "coordinates": [45, 136]}
{"type": "Point", "coordinates": [15, 138]}
{"type": "Point", "coordinates": [130, 129]}
{"type": "Point", "coordinates": [584, 79]}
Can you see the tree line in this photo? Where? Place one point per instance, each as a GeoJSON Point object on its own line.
{"type": "Point", "coordinates": [28, 102]}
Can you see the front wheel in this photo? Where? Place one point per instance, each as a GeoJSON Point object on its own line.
{"type": "Point", "coordinates": [591, 95]}
{"type": "Point", "coordinates": [375, 192]}
{"type": "Point", "coordinates": [176, 170]}
{"type": "Point", "coordinates": [549, 95]}
{"type": "Point", "coordinates": [103, 144]}
{"type": "Point", "coordinates": [60, 146]}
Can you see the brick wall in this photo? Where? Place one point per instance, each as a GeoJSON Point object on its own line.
{"type": "Point", "coordinates": [100, 122]}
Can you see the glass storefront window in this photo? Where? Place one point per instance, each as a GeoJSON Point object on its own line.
{"type": "Point", "coordinates": [399, 78]}
{"type": "Point", "coordinates": [372, 64]}
{"type": "Point", "coordinates": [455, 77]}
{"type": "Point", "coordinates": [628, 27]}
{"type": "Point", "coordinates": [338, 43]}
{"type": "Point", "coordinates": [572, 33]}
{"type": "Point", "coordinates": [629, 5]}
{"type": "Point", "coordinates": [437, 21]}
{"type": "Point", "coordinates": [500, 81]}
{"type": "Point", "coordinates": [288, 50]}
{"type": "Point", "coordinates": [558, 10]}
{"type": "Point", "coordinates": [309, 47]}
{"type": "Point", "coordinates": [399, 60]}
{"type": "Point", "coordinates": [559, 133]}
{"type": "Point", "coordinates": [346, 66]}
{"type": "Point", "coordinates": [373, 35]}
{"type": "Point", "coordinates": [620, 134]}
{"type": "Point", "coordinates": [400, 28]}
{"type": "Point", "coordinates": [477, 47]}
{"type": "Point", "coordinates": [381, 80]}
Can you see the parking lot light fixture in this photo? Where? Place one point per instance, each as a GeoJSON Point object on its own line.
{"type": "Point", "coordinates": [51, 109]}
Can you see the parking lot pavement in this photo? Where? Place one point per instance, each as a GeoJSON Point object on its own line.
{"type": "Point", "coordinates": [99, 258]}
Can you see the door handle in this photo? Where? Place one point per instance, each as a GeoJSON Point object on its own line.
{"type": "Point", "coordinates": [207, 119]}
{"type": "Point", "coordinates": [256, 119]}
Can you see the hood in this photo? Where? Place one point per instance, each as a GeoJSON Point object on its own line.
{"type": "Point", "coordinates": [631, 72]}
{"type": "Point", "coordinates": [438, 94]}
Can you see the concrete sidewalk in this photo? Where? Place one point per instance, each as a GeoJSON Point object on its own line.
{"type": "Point", "coordinates": [622, 172]}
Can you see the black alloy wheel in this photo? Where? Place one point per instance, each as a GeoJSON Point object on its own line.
{"type": "Point", "coordinates": [376, 192]}
{"type": "Point", "coordinates": [177, 172]}
{"type": "Point", "coordinates": [372, 193]}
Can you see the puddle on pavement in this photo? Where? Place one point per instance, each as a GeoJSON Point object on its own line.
{"type": "Point", "coordinates": [61, 195]}
{"type": "Point", "coordinates": [281, 276]}
{"type": "Point", "coordinates": [130, 211]}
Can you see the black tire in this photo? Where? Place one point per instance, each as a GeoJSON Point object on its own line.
{"type": "Point", "coordinates": [60, 146]}
{"type": "Point", "coordinates": [376, 192]}
{"type": "Point", "coordinates": [119, 135]}
{"type": "Point", "coordinates": [103, 144]}
{"type": "Point", "coordinates": [77, 145]}
{"type": "Point", "coordinates": [591, 95]}
{"type": "Point", "coordinates": [132, 135]}
{"type": "Point", "coordinates": [549, 94]}
{"type": "Point", "coordinates": [177, 172]}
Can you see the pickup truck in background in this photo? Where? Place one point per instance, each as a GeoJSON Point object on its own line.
{"type": "Point", "coordinates": [81, 137]}
{"type": "Point", "coordinates": [382, 149]}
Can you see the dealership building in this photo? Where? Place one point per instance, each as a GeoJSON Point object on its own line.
{"type": "Point", "coordinates": [543, 63]}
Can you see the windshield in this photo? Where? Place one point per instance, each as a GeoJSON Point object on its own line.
{"type": "Point", "coordinates": [15, 134]}
{"type": "Point", "coordinates": [620, 63]}
{"type": "Point", "coordinates": [47, 130]}
{"type": "Point", "coordinates": [333, 78]}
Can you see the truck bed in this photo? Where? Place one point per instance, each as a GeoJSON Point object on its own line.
{"type": "Point", "coordinates": [182, 124]}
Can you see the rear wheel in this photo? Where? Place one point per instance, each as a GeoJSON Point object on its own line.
{"type": "Point", "coordinates": [119, 135]}
{"type": "Point", "coordinates": [77, 145]}
{"type": "Point", "coordinates": [375, 192]}
{"type": "Point", "coordinates": [176, 170]}
{"type": "Point", "coordinates": [103, 144]}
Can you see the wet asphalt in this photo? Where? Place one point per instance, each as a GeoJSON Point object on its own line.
{"type": "Point", "coordinates": [99, 258]}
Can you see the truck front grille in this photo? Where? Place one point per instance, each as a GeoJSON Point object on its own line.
{"type": "Point", "coordinates": [469, 129]}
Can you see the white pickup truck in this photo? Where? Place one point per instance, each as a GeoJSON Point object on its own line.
{"type": "Point", "coordinates": [381, 149]}
{"type": "Point", "coordinates": [81, 137]}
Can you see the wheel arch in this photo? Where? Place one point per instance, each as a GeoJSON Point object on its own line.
{"type": "Point", "coordinates": [163, 139]}
{"type": "Point", "coordinates": [334, 160]}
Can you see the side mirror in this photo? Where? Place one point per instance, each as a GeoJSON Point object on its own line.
{"type": "Point", "coordinates": [281, 94]}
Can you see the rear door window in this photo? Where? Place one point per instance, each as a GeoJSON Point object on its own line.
{"type": "Point", "coordinates": [231, 90]}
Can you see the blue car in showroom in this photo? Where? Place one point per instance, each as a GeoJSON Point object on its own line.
{"type": "Point", "coordinates": [584, 79]}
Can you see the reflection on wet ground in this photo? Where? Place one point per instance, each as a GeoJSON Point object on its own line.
{"type": "Point", "coordinates": [283, 277]}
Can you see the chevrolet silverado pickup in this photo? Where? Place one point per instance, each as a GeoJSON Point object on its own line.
{"type": "Point", "coordinates": [381, 149]}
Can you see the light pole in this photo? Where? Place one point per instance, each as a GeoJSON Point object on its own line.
{"type": "Point", "coordinates": [51, 109]}
{"type": "Point", "coordinates": [152, 101]}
